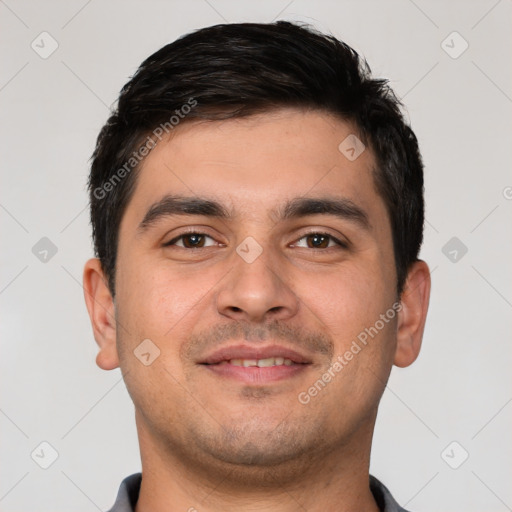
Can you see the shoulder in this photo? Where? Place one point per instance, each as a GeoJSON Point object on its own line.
{"type": "Point", "coordinates": [383, 497]}
{"type": "Point", "coordinates": [128, 494]}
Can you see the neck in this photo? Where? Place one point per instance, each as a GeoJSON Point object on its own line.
{"type": "Point", "coordinates": [175, 481]}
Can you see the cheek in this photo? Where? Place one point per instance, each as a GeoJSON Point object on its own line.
{"type": "Point", "coordinates": [163, 306]}
{"type": "Point", "coordinates": [345, 300]}
{"type": "Point", "coordinates": [348, 305]}
{"type": "Point", "coordinates": [154, 305]}
{"type": "Point", "coordinates": [154, 300]}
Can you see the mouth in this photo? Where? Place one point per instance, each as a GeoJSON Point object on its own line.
{"type": "Point", "coordinates": [256, 366]}
{"type": "Point", "coordinates": [260, 363]}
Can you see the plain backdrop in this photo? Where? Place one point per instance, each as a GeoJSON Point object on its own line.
{"type": "Point", "coordinates": [442, 438]}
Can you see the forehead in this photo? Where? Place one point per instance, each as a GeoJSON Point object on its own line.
{"type": "Point", "coordinates": [253, 165]}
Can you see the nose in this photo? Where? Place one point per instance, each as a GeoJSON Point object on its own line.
{"type": "Point", "coordinates": [256, 291]}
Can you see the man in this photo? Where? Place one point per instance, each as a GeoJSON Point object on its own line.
{"type": "Point", "coordinates": [257, 213]}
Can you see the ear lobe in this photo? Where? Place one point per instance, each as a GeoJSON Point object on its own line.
{"type": "Point", "coordinates": [412, 317]}
{"type": "Point", "coordinates": [100, 306]}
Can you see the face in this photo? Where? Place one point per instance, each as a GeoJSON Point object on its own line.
{"type": "Point", "coordinates": [253, 270]}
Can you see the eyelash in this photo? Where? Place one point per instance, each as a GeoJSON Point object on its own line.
{"type": "Point", "coordinates": [341, 244]}
{"type": "Point", "coordinates": [338, 242]}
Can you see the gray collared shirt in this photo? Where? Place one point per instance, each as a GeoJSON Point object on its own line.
{"type": "Point", "coordinates": [130, 487]}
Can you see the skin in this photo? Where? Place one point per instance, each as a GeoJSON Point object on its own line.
{"type": "Point", "coordinates": [216, 444]}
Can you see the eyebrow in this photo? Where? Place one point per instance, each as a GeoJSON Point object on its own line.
{"type": "Point", "coordinates": [181, 205]}
{"type": "Point", "coordinates": [340, 207]}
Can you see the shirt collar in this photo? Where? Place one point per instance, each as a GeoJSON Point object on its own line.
{"type": "Point", "coordinates": [130, 487]}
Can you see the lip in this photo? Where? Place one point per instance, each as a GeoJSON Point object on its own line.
{"type": "Point", "coordinates": [218, 363]}
{"type": "Point", "coordinates": [254, 374]}
{"type": "Point", "coordinates": [251, 352]}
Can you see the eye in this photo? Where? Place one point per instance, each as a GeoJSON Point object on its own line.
{"type": "Point", "coordinates": [190, 241]}
{"type": "Point", "coordinates": [320, 241]}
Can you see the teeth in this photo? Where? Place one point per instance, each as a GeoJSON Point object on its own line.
{"type": "Point", "coordinates": [271, 361]}
{"type": "Point", "coordinates": [262, 363]}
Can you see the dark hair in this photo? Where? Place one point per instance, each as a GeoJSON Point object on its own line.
{"type": "Point", "coordinates": [235, 70]}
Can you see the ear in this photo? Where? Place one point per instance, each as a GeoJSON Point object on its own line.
{"type": "Point", "coordinates": [411, 318]}
{"type": "Point", "coordinates": [100, 305]}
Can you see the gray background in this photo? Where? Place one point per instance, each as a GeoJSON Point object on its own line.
{"type": "Point", "coordinates": [52, 109]}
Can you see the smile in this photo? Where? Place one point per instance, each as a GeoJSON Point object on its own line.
{"type": "Point", "coordinates": [260, 363]}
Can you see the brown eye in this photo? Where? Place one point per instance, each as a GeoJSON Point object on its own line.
{"type": "Point", "coordinates": [190, 241]}
{"type": "Point", "coordinates": [193, 240]}
{"type": "Point", "coordinates": [318, 240]}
